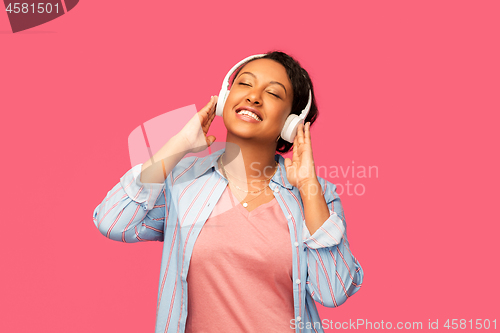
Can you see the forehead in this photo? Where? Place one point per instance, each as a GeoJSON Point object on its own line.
{"type": "Point", "coordinates": [267, 69]}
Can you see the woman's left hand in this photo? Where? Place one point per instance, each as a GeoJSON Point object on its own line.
{"type": "Point", "coordinates": [300, 169]}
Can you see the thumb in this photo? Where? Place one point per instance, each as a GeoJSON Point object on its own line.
{"type": "Point", "coordinates": [210, 140]}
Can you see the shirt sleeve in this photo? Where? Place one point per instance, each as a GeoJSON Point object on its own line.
{"type": "Point", "coordinates": [133, 211]}
{"type": "Point", "coordinates": [333, 273]}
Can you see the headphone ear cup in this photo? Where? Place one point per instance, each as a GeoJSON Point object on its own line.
{"type": "Point", "coordinates": [290, 128]}
{"type": "Point", "coordinates": [221, 101]}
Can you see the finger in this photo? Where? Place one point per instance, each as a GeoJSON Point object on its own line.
{"type": "Point", "coordinates": [207, 113]}
{"type": "Point", "coordinates": [206, 121]}
{"type": "Point", "coordinates": [213, 111]}
{"type": "Point", "coordinates": [214, 104]}
{"type": "Point", "coordinates": [288, 162]}
{"type": "Point", "coordinates": [295, 154]}
{"type": "Point", "coordinates": [210, 117]}
{"type": "Point", "coordinates": [206, 109]}
{"type": "Point", "coordinates": [300, 133]}
{"type": "Point", "coordinates": [210, 140]}
{"type": "Point", "coordinates": [207, 125]}
{"type": "Point", "coordinates": [307, 133]}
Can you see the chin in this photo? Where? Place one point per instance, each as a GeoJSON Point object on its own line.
{"type": "Point", "coordinates": [240, 132]}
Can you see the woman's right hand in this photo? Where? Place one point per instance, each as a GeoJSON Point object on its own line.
{"type": "Point", "coordinates": [191, 139]}
{"type": "Point", "coordinates": [194, 133]}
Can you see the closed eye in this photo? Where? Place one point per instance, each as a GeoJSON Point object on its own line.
{"type": "Point", "coordinates": [249, 85]}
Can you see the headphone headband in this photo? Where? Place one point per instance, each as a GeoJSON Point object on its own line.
{"type": "Point", "coordinates": [235, 67]}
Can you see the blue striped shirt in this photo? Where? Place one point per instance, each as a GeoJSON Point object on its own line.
{"type": "Point", "coordinates": [324, 268]}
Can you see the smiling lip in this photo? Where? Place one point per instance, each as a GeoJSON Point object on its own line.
{"type": "Point", "coordinates": [246, 118]}
{"type": "Point", "coordinates": [251, 110]}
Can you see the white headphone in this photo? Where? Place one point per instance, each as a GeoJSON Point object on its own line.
{"type": "Point", "coordinates": [292, 122]}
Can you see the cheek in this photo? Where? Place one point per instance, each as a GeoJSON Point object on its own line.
{"type": "Point", "coordinates": [279, 117]}
{"type": "Point", "coordinates": [229, 102]}
{"type": "Point", "coordinates": [285, 112]}
{"type": "Point", "coordinates": [232, 97]}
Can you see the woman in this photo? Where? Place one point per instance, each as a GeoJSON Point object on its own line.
{"type": "Point", "coordinates": [262, 237]}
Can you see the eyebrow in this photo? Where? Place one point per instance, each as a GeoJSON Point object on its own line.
{"type": "Point", "coordinates": [273, 82]}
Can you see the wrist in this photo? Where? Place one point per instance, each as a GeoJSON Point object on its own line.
{"type": "Point", "coordinates": [181, 144]}
{"type": "Point", "coordinates": [309, 186]}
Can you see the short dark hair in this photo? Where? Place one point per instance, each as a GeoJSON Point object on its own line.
{"type": "Point", "coordinates": [301, 83]}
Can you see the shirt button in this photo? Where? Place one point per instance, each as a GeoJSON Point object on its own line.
{"type": "Point", "coordinates": [145, 206]}
{"type": "Point", "coordinates": [276, 189]}
{"type": "Point", "coordinates": [290, 216]}
{"type": "Point", "coordinates": [297, 281]}
{"type": "Point", "coordinates": [296, 244]}
{"type": "Point", "coordinates": [298, 318]}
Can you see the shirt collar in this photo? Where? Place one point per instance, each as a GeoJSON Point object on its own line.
{"type": "Point", "coordinates": [210, 163]}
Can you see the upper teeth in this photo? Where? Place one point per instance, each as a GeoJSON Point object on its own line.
{"type": "Point", "coordinates": [251, 114]}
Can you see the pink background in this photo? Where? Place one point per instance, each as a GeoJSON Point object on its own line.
{"type": "Point", "coordinates": [409, 87]}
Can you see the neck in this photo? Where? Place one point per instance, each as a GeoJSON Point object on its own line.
{"type": "Point", "coordinates": [248, 159]}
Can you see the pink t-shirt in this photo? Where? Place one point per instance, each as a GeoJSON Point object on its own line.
{"type": "Point", "coordinates": [240, 274]}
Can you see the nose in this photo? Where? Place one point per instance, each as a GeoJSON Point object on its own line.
{"type": "Point", "coordinates": [254, 97]}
